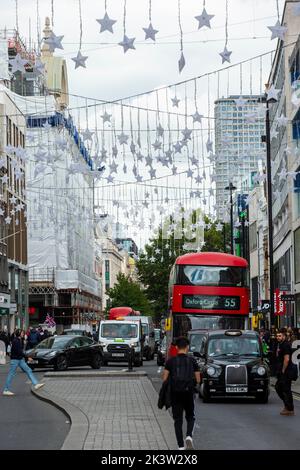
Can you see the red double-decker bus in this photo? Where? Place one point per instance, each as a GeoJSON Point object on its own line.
{"type": "Point", "coordinates": [208, 291]}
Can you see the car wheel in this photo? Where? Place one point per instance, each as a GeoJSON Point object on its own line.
{"type": "Point", "coordinates": [96, 362]}
{"type": "Point", "coordinates": [61, 363]}
{"type": "Point", "coordinates": [262, 397]}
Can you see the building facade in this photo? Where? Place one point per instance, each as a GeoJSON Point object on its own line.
{"type": "Point", "coordinates": [14, 266]}
{"type": "Point", "coordinates": [285, 157]}
{"type": "Point", "coordinates": [238, 145]}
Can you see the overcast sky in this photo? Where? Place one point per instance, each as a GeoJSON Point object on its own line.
{"type": "Point", "coordinates": [111, 74]}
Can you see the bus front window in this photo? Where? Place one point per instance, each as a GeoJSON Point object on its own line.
{"type": "Point", "coordinates": [221, 276]}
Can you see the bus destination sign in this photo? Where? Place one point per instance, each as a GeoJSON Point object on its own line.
{"type": "Point", "coordinates": [211, 302]}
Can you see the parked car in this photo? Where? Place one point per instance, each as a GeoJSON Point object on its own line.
{"type": "Point", "coordinates": [232, 363]}
{"type": "Point", "coordinates": [61, 352]}
{"type": "Point", "coordinates": [162, 352]}
{"type": "Point", "coordinates": [75, 332]}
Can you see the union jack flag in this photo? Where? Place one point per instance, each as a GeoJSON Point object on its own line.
{"type": "Point", "coordinates": [50, 321]}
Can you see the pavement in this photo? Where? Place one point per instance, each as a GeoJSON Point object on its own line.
{"type": "Point", "coordinates": [109, 410]}
{"type": "Point", "coordinates": [27, 423]}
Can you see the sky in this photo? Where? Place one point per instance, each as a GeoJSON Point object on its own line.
{"type": "Point", "coordinates": [112, 75]}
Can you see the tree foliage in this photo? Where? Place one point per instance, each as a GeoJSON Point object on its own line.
{"type": "Point", "coordinates": [127, 293]}
{"type": "Point", "coordinates": [154, 265]}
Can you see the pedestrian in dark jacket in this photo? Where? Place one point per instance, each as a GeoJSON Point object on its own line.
{"type": "Point", "coordinates": [4, 337]}
{"type": "Point", "coordinates": [33, 339]}
{"type": "Point", "coordinates": [17, 360]}
{"type": "Point", "coordinates": [182, 371]}
{"type": "Point", "coordinates": [284, 383]}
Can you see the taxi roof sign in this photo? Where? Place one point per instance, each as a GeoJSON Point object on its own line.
{"type": "Point", "coordinates": [233, 332]}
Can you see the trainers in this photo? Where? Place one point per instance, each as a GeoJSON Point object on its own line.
{"type": "Point", "coordinates": [37, 386]}
{"type": "Point", "coordinates": [8, 393]}
{"type": "Point", "coordinates": [287, 413]}
{"type": "Point", "coordinates": [189, 442]}
{"type": "Point", "coordinates": [181, 448]}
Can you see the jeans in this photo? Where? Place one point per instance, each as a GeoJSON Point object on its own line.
{"type": "Point", "coordinates": [283, 389]}
{"type": "Point", "coordinates": [183, 402]}
{"type": "Point", "coordinates": [14, 364]}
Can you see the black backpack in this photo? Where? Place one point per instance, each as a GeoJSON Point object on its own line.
{"type": "Point", "coordinates": [182, 376]}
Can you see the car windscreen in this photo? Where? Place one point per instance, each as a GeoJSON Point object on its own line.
{"type": "Point", "coordinates": [57, 342]}
{"type": "Point", "coordinates": [233, 345]}
{"type": "Point", "coordinates": [119, 330]}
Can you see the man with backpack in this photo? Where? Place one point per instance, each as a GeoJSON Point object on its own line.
{"type": "Point", "coordinates": [182, 371]}
{"type": "Point", "coordinates": [285, 373]}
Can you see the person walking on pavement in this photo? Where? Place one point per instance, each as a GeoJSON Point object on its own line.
{"type": "Point", "coordinates": [284, 383]}
{"type": "Point", "coordinates": [17, 360]}
{"type": "Point", "coordinates": [182, 371]}
{"type": "Point", "coordinates": [33, 339]}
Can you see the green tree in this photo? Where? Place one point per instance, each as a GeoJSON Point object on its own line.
{"type": "Point", "coordinates": [214, 239]}
{"type": "Point", "coordinates": [154, 265]}
{"type": "Point", "coordinates": [127, 293]}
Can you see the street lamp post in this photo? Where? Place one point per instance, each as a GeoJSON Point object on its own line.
{"type": "Point", "coordinates": [231, 188]}
{"type": "Point", "coordinates": [270, 213]}
{"type": "Point", "coordinates": [267, 140]}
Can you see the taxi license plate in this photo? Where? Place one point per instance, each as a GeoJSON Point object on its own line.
{"type": "Point", "coordinates": [118, 354]}
{"type": "Point", "coordinates": [236, 389]}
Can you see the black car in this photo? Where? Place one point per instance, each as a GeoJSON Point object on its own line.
{"type": "Point", "coordinates": [232, 363]}
{"type": "Point", "coordinates": [162, 352]}
{"type": "Point", "coordinates": [61, 352]}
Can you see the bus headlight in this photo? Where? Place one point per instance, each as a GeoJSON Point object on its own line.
{"type": "Point", "coordinates": [261, 370]}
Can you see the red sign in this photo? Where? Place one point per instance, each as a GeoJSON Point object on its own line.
{"type": "Point", "coordinates": [279, 304]}
{"type": "Point", "coordinates": [31, 310]}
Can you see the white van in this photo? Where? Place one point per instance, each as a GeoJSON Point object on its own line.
{"type": "Point", "coordinates": [149, 339]}
{"type": "Point", "coordinates": [117, 337]}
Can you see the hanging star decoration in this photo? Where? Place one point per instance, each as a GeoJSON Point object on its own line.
{"type": "Point", "coordinates": [175, 101]}
{"type": "Point", "coordinates": [150, 32]}
{"type": "Point", "coordinates": [225, 55]}
{"type": "Point", "coordinates": [127, 43]}
{"type": "Point", "coordinates": [278, 31]}
{"type": "Point", "coordinates": [181, 63]}
{"type": "Point", "coordinates": [54, 42]}
{"type": "Point", "coordinates": [204, 19]}
{"type": "Point", "coordinates": [272, 93]}
{"type": "Point", "coordinates": [106, 23]}
{"type": "Point", "coordinates": [87, 135]}
{"type": "Point", "coordinates": [80, 60]}
{"type": "Point", "coordinates": [18, 64]}
{"type": "Point", "coordinates": [39, 67]}
{"type": "Point", "coordinates": [106, 117]}
{"type": "Point", "coordinates": [197, 117]}
{"type": "Point", "coordinates": [123, 138]}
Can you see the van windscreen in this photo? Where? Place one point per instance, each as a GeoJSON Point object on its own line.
{"type": "Point", "coordinates": [119, 330]}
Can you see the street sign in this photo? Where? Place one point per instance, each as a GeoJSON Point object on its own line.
{"type": "Point", "coordinates": [285, 287]}
{"type": "Point", "coordinates": [265, 306]}
{"type": "Point", "coordinates": [4, 311]}
{"type": "Point", "coordinates": [2, 353]}
{"type": "Point", "coordinates": [288, 297]}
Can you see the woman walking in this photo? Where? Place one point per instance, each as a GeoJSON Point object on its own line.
{"type": "Point", "coordinates": [17, 360]}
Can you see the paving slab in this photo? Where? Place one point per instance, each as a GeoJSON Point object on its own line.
{"type": "Point", "coordinates": [110, 411]}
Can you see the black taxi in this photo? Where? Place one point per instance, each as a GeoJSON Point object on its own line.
{"type": "Point", "coordinates": [232, 363]}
